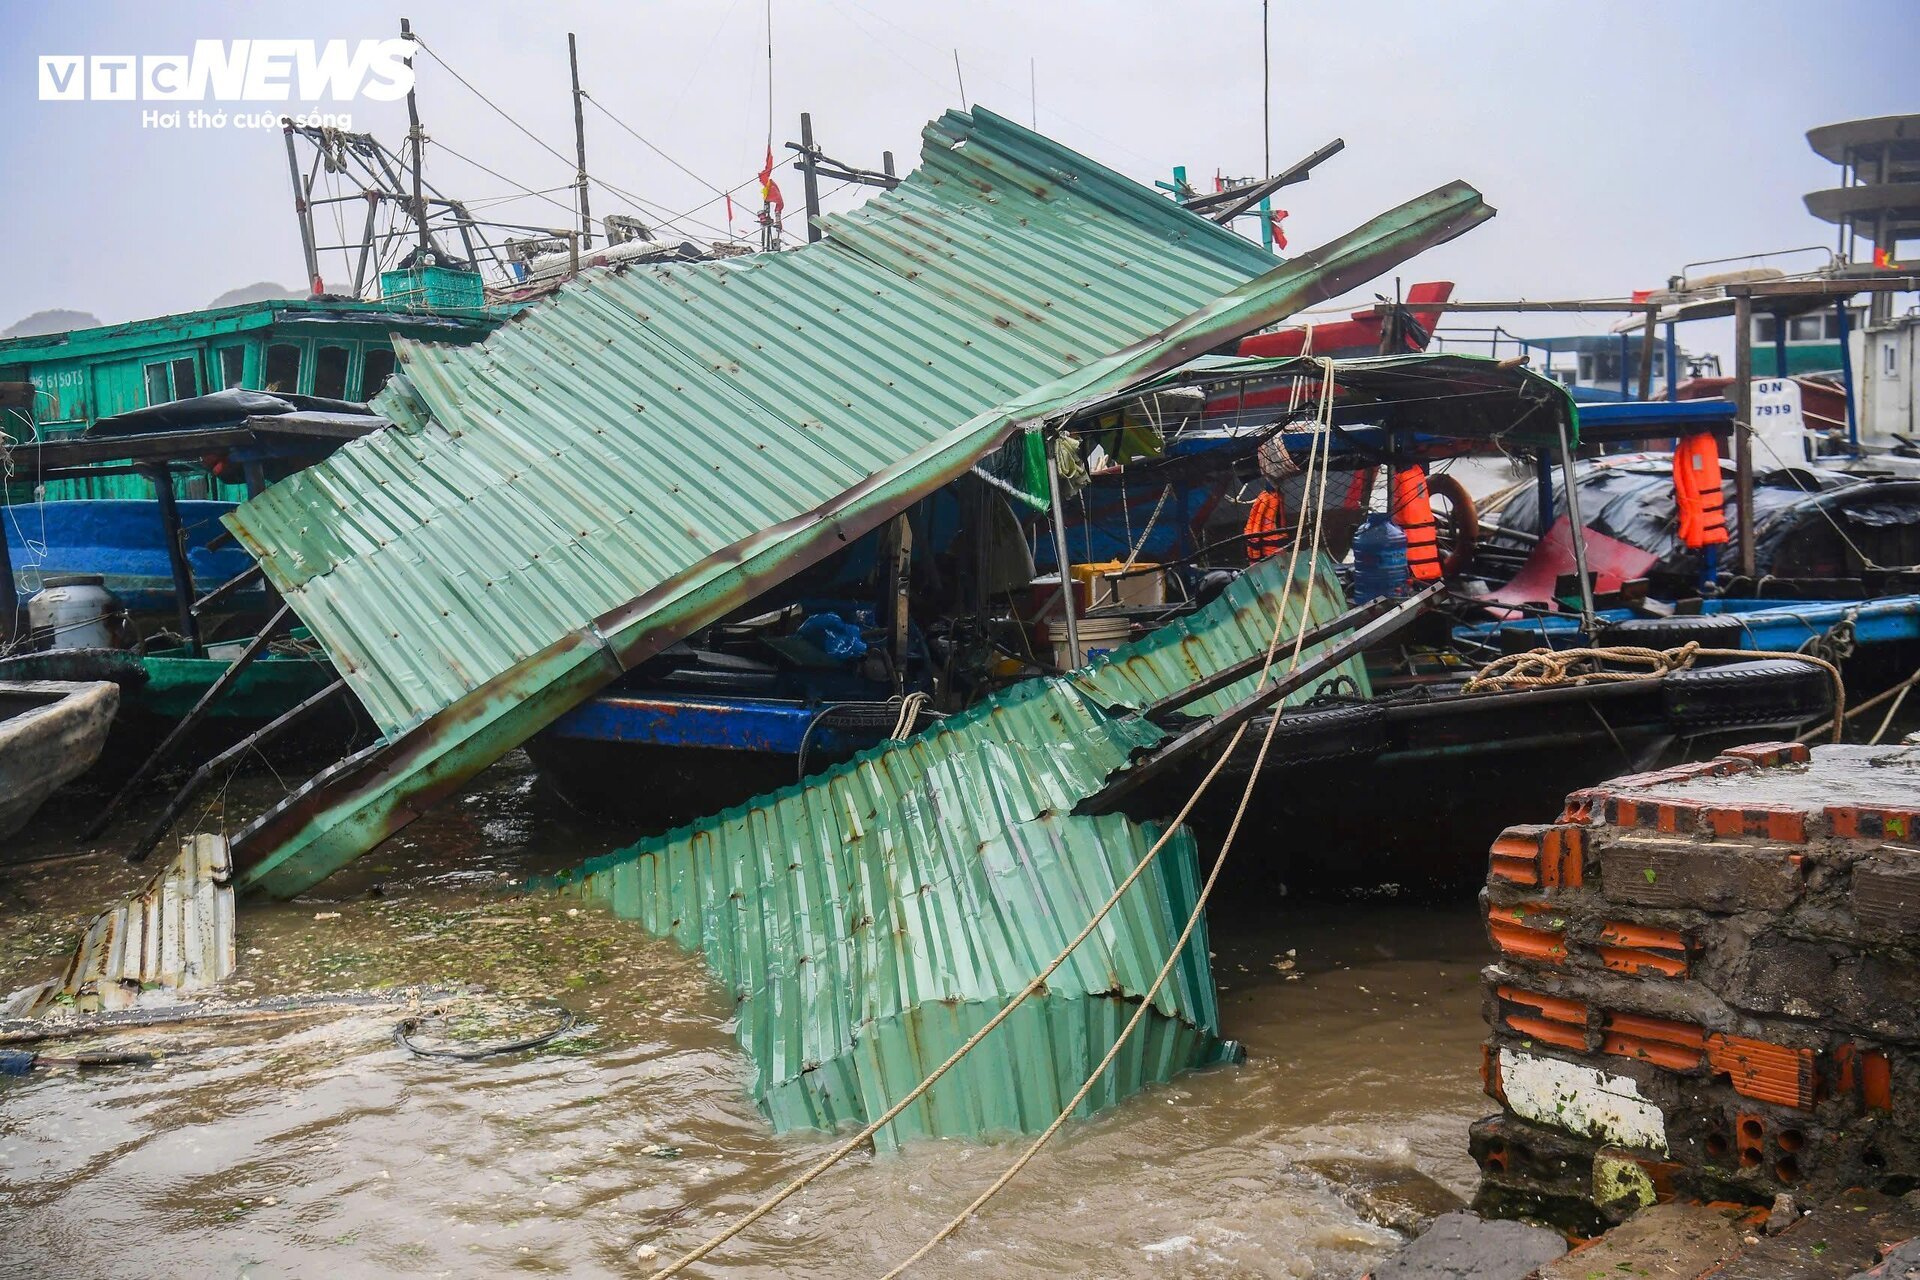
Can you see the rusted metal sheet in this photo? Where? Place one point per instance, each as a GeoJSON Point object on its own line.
{"type": "Point", "coordinates": [869, 920]}
{"type": "Point", "coordinates": [657, 445]}
{"type": "Point", "coordinates": [174, 936]}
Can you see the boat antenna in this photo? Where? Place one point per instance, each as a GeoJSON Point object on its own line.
{"type": "Point", "coordinates": [1033, 93]}
{"type": "Point", "coordinates": [960, 78]}
{"type": "Point", "coordinates": [766, 201]}
{"type": "Point", "coordinates": [1266, 92]}
{"type": "Point", "coordinates": [580, 146]}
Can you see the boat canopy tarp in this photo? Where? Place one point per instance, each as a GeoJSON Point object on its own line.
{"type": "Point", "coordinates": [656, 445]}
{"type": "Point", "coordinates": [1436, 393]}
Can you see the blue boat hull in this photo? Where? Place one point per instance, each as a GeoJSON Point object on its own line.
{"type": "Point", "coordinates": [121, 540]}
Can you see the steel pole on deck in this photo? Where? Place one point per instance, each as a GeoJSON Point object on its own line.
{"type": "Point", "coordinates": [9, 593]}
{"type": "Point", "coordinates": [1577, 532]}
{"type": "Point", "coordinates": [1673, 364]}
{"type": "Point", "coordinates": [183, 589]}
{"type": "Point", "coordinates": [1060, 548]}
{"type": "Point", "coordinates": [1779, 346]}
{"type": "Point", "coordinates": [191, 721]}
{"type": "Point", "coordinates": [414, 139]}
{"type": "Point", "coordinates": [809, 177]}
{"type": "Point", "coordinates": [1846, 373]}
{"type": "Point", "coordinates": [580, 147]}
{"type": "Point", "coordinates": [304, 213]}
{"type": "Point", "coordinates": [1646, 355]}
{"type": "Point", "coordinates": [1743, 427]}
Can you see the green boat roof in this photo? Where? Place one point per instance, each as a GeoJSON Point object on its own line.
{"type": "Point", "coordinates": [215, 321]}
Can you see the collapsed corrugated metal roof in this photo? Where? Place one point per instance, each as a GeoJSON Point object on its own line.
{"type": "Point", "coordinates": [656, 445]}
{"type": "Point", "coordinates": [871, 919]}
{"type": "Point", "coordinates": [174, 935]}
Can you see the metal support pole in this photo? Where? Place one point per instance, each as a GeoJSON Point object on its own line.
{"type": "Point", "coordinates": [1743, 427]}
{"type": "Point", "coordinates": [201, 776]}
{"type": "Point", "coordinates": [1623, 366]}
{"type": "Point", "coordinates": [1543, 488]}
{"type": "Point", "coordinates": [1646, 356]}
{"type": "Point", "coordinates": [9, 594]}
{"type": "Point", "coordinates": [1846, 373]}
{"type": "Point", "coordinates": [580, 148]}
{"type": "Point", "coordinates": [1779, 346]}
{"type": "Point", "coordinates": [304, 213]}
{"type": "Point", "coordinates": [183, 589]}
{"type": "Point", "coordinates": [1673, 364]}
{"type": "Point", "coordinates": [1060, 546]}
{"type": "Point", "coordinates": [1577, 533]}
{"type": "Point", "coordinates": [414, 139]}
{"type": "Point", "coordinates": [191, 721]}
{"type": "Point", "coordinates": [809, 176]}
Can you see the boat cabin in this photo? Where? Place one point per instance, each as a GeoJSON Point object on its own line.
{"type": "Point", "coordinates": [335, 349]}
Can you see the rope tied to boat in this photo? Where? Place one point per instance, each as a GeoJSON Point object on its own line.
{"type": "Point", "coordinates": [1039, 980]}
{"type": "Point", "coordinates": [1546, 668]}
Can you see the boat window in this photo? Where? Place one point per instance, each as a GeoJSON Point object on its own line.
{"type": "Point", "coordinates": [233, 367]}
{"type": "Point", "coordinates": [1806, 329]}
{"type": "Point", "coordinates": [330, 372]}
{"type": "Point", "coordinates": [283, 367]}
{"type": "Point", "coordinates": [186, 378]}
{"type": "Point", "coordinates": [1763, 328]}
{"type": "Point", "coordinates": [375, 368]}
{"type": "Point", "coordinates": [159, 388]}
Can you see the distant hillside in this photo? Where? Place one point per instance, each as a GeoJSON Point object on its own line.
{"type": "Point", "coordinates": [54, 320]}
{"type": "Point", "coordinates": [260, 291]}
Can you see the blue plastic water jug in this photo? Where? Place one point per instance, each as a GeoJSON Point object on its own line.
{"type": "Point", "coordinates": [1379, 559]}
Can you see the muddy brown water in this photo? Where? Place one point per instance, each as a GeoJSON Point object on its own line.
{"type": "Point", "coordinates": [315, 1146]}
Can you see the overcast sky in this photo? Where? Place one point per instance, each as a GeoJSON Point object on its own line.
{"type": "Point", "coordinates": [1619, 140]}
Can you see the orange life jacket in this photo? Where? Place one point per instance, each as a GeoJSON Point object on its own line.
{"type": "Point", "coordinates": [1263, 526]}
{"type": "Point", "coordinates": [1413, 512]}
{"type": "Point", "coordinates": [1697, 491]}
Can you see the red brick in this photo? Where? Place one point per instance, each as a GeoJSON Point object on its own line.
{"type": "Point", "coordinates": [1550, 1019]}
{"type": "Point", "coordinates": [1640, 949]}
{"type": "Point", "coordinates": [1532, 933]}
{"type": "Point", "coordinates": [1676, 1046]}
{"type": "Point", "coordinates": [1855, 822]}
{"type": "Point", "coordinates": [1770, 755]}
{"type": "Point", "coordinates": [1780, 823]}
{"type": "Point", "coordinates": [1674, 817]}
{"type": "Point", "coordinates": [1581, 805]}
{"type": "Point", "coordinates": [1763, 1070]}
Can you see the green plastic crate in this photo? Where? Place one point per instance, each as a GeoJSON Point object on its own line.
{"type": "Point", "coordinates": [435, 287]}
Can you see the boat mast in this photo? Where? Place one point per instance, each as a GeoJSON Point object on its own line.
{"type": "Point", "coordinates": [414, 139]}
{"type": "Point", "coordinates": [580, 147]}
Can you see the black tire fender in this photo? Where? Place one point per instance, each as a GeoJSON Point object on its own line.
{"type": "Point", "coordinates": [1756, 691]}
{"type": "Point", "coordinates": [1708, 630]}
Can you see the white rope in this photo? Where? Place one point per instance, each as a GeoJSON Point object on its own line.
{"type": "Point", "coordinates": [1323, 456]}
{"type": "Point", "coordinates": [1039, 980]}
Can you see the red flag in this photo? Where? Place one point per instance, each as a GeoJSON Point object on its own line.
{"type": "Point", "coordinates": [729, 199]}
{"type": "Point", "coordinates": [1641, 295]}
{"type": "Point", "coordinates": [770, 190]}
{"type": "Point", "coordinates": [1883, 258]}
{"type": "Point", "coordinates": [1279, 236]}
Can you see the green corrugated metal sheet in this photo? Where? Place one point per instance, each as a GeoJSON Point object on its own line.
{"type": "Point", "coordinates": [616, 435]}
{"type": "Point", "coordinates": [656, 445]}
{"type": "Point", "coordinates": [1174, 656]}
{"type": "Point", "coordinates": [869, 920]}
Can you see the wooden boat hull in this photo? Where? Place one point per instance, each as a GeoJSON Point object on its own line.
{"type": "Point", "coordinates": [51, 732]}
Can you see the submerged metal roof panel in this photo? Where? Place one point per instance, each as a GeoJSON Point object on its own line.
{"type": "Point", "coordinates": [868, 920]}
{"type": "Point", "coordinates": [620, 432]}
